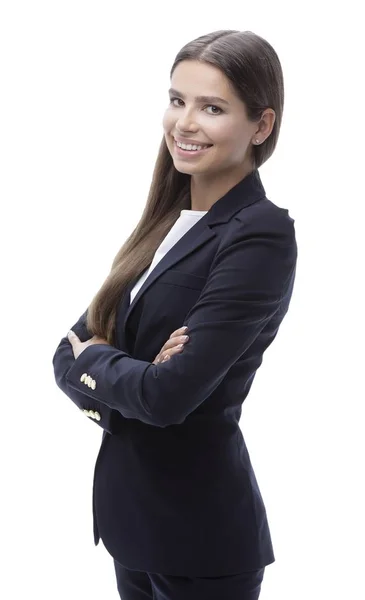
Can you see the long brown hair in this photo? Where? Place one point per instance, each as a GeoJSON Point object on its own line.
{"type": "Point", "coordinates": [254, 69]}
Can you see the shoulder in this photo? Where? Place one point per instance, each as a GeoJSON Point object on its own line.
{"type": "Point", "coordinates": [265, 216]}
{"type": "Point", "coordinates": [261, 229]}
{"type": "Point", "coordinates": [264, 211]}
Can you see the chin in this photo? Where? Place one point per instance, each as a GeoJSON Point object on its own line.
{"type": "Point", "coordinates": [189, 170]}
{"type": "Point", "coordinates": [186, 170]}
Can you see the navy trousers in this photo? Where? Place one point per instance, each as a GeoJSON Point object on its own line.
{"type": "Point", "coordinates": [139, 585]}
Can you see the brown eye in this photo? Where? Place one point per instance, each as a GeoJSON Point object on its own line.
{"type": "Point", "coordinates": [216, 107]}
{"type": "Point", "coordinates": [173, 99]}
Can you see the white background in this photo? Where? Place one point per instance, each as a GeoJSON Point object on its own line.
{"type": "Point", "coordinates": [83, 91]}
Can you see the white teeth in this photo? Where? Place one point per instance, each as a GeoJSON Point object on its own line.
{"type": "Point", "coordinates": [190, 146]}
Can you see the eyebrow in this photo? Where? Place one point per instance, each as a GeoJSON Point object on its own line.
{"type": "Point", "coordinates": [199, 98]}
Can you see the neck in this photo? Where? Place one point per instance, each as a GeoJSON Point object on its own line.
{"type": "Point", "coordinates": [205, 191]}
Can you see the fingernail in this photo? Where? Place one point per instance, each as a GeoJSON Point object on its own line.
{"type": "Point", "coordinates": [166, 358]}
{"type": "Point", "coordinates": [184, 328]}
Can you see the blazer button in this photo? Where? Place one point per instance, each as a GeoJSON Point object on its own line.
{"type": "Point", "coordinates": [83, 376]}
{"type": "Point", "coordinates": [87, 380]}
{"type": "Point", "coordinates": [93, 384]}
{"type": "Point", "coordinates": [85, 411]}
{"type": "Point", "coordinates": [97, 416]}
{"type": "Point", "coordinates": [92, 414]}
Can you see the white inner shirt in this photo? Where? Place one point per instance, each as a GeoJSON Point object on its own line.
{"type": "Point", "coordinates": [187, 219]}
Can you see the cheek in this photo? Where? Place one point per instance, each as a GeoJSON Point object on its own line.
{"type": "Point", "coordinates": [226, 132]}
{"type": "Point", "coordinates": [167, 121]}
{"type": "Point", "coordinates": [232, 140]}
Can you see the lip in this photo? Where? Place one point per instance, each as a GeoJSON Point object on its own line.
{"type": "Point", "coordinates": [186, 141]}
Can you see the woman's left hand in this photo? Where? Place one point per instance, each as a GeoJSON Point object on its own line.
{"type": "Point", "coordinates": [78, 346]}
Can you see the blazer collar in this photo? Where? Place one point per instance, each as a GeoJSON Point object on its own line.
{"type": "Point", "coordinates": [244, 193]}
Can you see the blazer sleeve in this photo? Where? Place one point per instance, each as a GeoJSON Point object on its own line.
{"type": "Point", "coordinates": [107, 418]}
{"type": "Point", "coordinates": [248, 279]}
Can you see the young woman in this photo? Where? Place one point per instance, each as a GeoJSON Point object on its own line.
{"type": "Point", "coordinates": [175, 498]}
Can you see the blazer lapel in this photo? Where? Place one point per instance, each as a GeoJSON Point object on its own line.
{"type": "Point", "coordinates": [246, 192]}
{"type": "Point", "coordinates": [197, 235]}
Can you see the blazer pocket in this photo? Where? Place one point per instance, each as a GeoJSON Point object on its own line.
{"type": "Point", "coordinates": [181, 279]}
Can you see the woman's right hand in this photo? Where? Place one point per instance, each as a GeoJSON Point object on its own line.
{"type": "Point", "coordinates": [174, 345]}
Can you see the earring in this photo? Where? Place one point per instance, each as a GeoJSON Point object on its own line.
{"type": "Point", "coordinates": [257, 141]}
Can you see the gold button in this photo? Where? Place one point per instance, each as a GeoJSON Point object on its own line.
{"type": "Point", "coordinates": [85, 411]}
{"type": "Point", "coordinates": [92, 414]}
{"type": "Point", "coordinates": [97, 416]}
{"type": "Point", "coordinates": [93, 384]}
{"type": "Point", "coordinates": [87, 380]}
{"type": "Point", "coordinates": [82, 378]}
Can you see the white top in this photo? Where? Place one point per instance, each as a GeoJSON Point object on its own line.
{"type": "Point", "coordinates": [187, 219]}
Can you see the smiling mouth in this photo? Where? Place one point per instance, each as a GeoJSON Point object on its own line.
{"type": "Point", "coordinates": [200, 147]}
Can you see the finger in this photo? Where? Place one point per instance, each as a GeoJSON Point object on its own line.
{"type": "Point", "coordinates": [166, 355]}
{"type": "Point", "coordinates": [173, 342]}
{"type": "Point", "coordinates": [170, 344]}
{"type": "Point", "coordinates": [179, 331]}
{"type": "Point", "coordinates": [161, 359]}
{"type": "Point", "coordinates": [175, 339]}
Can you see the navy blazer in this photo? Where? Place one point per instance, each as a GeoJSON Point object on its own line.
{"type": "Point", "coordinates": [174, 490]}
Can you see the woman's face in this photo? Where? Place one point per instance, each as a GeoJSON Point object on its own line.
{"type": "Point", "coordinates": [222, 124]}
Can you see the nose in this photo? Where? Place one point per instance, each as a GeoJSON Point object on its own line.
{"type": "Point", "coordinates": [185, 123]}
